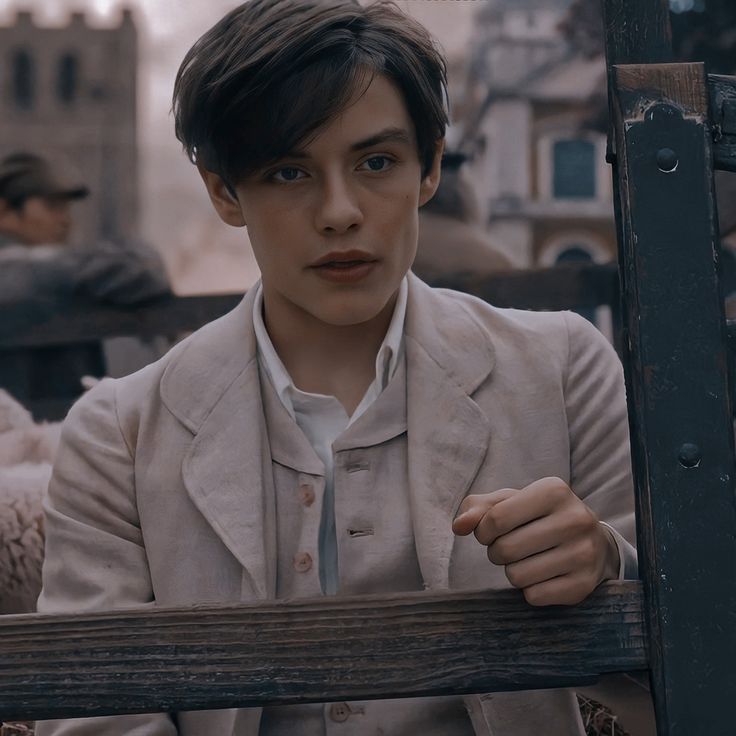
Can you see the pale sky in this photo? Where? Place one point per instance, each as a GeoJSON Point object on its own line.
{"type": "Point", "coordinates": [202, 254]}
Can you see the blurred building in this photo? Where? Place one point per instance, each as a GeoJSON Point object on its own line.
{"type": "Point", "coordinates": [71, 91]}
{"type": "Point", "coordinates": [538, 162]}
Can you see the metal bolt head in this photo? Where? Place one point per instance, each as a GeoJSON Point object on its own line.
{"type": "Point", "coordinates": [667, 160]}
{"type": "Point", "coordinates": [689, 456]}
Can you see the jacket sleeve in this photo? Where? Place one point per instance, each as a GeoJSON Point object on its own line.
{"type": "Point", "coordinates": [600, 454]}
{"type": "Point", "coordinates": [95, 559]}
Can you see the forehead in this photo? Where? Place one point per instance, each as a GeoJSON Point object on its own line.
{"type": "Point", "coordinates": [377, 106]}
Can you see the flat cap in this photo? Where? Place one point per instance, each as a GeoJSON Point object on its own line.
{"type": "Point", "coordinates": [25, 175]}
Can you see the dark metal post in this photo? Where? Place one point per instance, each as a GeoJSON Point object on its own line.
{"type": "Point", "coordinates": [678, 392]}
{"type": "Point", "coordinates": [677, 368]}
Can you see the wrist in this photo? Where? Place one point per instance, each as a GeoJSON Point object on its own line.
{"type": "Point", "coordinates": [612, 563]}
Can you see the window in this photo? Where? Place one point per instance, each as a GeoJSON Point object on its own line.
{"type": "Point", "coordinates": [574, 164]}
{"type": "Point", "coordinates": [24, 80]}
{"type": "Point", "coordinates": [67, 80]}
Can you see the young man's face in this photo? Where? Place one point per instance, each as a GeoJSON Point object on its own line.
{"type": "Point", "coordinates": [40, 221]}
{"type": "Point", "coordinates": [334, 225]}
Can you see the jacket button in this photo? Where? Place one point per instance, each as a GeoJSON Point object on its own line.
{"type": "Point", "coordinates": [306, 494]}
{"type": "Point", "coordinates": [340, 712]}
{"type": "Point", "coordinates": [303, 562]}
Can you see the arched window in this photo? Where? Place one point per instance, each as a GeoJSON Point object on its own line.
{"type": "Point", "coordinates": [574, 169]}
{"type": "Point", "coordinates": [573, 255]}
{"type": "Point", "coordinates": [67, 80]}
{"type": "Point", "coordinates": [24, 80]}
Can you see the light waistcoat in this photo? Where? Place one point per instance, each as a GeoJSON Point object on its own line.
{"type": "Point", "coordinates": [375, 550]}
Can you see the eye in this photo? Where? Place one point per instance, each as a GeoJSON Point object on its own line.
{"type": "Point", "coordinates": [378, 163]}
{"type": "Point", "coordinates": [288, 173]}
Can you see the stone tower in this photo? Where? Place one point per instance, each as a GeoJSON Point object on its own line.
{"type": "Point", "coordinates": [71, 91]}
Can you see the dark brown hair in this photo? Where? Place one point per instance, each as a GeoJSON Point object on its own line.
{"type": "Point", "coordinates": [272, 72]}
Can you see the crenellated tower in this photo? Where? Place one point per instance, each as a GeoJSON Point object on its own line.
{"type": "Point", "coordinates": [72, 91]}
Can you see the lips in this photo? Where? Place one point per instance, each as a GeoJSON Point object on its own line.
{"type": "Point", "coordinates": [344, 259]}
{"type": "Point", "coordinates": [346, 267]}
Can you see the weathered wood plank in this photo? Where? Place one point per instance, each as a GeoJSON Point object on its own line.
{"type": "Point", "coordinates": [722, 92]}
{"type": "Point", "coordinates": [637, 32]}
{"type": "Point", "coordinates": [566, 287]}
{"type": "Point", "coordinates": [312, 651]}
{"type": "Point", "coordinates": [679, 400]}
{"type": "Point", "coordinates": [85, 321]}
{"type": "Point", "coordinates": [562, 287]}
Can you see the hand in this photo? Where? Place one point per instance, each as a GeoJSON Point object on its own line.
{"type": "Point", "coordinates": [552, 545]}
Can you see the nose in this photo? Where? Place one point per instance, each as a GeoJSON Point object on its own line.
{"type": "Point", "coordinates": [339, 210]}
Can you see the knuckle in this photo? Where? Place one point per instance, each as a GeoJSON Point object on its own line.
{"type": "Point", "coordinates": [502, 550]}
{"type": "Point", "coordinates": [514, 576]}
{"type": "Point", "coordinates": [534, 596]}
{"type": "Point", "coordinates": [493, 556]}
{"type": "Point", "coordinates": [492, 518]}
{"type": "Point", "coordinates": [584, 517]}
{"type": "Point", "coordinates": [467, 503]}
{"type": "Point", "coordinates": [587, 551]}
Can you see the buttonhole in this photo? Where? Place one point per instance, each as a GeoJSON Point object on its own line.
{"type": "Point", "coordinates": [360, 532]}
{"type": "Point", "coordinates": [356, 467]}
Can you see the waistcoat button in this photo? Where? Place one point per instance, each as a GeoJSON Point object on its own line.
{"type": "Point", "coordinates": [340, 712]}
{"type": "Point", "coordinates": [306, 494]}
{"type": "Point", "coordinates": [303, 562]}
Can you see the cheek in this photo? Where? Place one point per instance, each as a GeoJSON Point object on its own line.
{"type": "Point", "coordinates": [275, 241]}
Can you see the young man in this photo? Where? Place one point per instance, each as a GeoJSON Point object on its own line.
{"type": "Point", "coordinates": [346, 429]}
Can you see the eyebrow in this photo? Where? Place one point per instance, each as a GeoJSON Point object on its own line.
{"type": "Point", "coordinates": [387, 135]}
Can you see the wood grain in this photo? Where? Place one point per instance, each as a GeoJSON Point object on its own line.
{"type": "Point", "coordinates": [311, 651]}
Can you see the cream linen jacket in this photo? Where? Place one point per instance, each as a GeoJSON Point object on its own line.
{"type": "Point", "coordinates": [162, 490]}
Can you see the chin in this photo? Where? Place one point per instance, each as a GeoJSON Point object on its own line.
{"type": "Point", "coordinates": [350, 314]}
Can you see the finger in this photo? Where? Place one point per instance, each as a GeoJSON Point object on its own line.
{"type": "Point", "coordinates": [466, 522]}
{"type": "Point", "coordinates": [547, 565]}
{"type": "Point", "coordinates": [536, 501]}
{"type": "Point", "coordinates": [567, 590]}
{"type": "Point", "coordinates": [473, 508]}
{"type": "Point", "coordinates": [548, 494]}
{"type": "Point", "coordinates": [537, 536]}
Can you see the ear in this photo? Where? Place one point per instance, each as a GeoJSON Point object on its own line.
{"type": "Point", "coordinates": [430, 182]}
{"type": "Point", "coordinates": [227, 205]}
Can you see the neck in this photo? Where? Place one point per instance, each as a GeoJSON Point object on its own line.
{"type": "Point", "coordinates": [334, 360]}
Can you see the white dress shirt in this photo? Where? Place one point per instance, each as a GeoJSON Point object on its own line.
{"type": "Point", "coordinates": [323, 418]}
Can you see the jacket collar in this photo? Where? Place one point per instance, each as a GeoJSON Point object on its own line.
{"type": "Point", "coordinates": [449, 355]}
{"type": "Point", "coordinates": [212, 386]}
{"type": "Point", "coordinates": [205, 365]}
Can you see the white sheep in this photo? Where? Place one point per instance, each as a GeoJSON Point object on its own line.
{"type": "Point", "coordinates": [27, 451]}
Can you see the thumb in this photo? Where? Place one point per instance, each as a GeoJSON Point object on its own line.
{"type": "Point", "coordinates": [466, 521]}
{"type": "Point", "coordinates": [474, 508]}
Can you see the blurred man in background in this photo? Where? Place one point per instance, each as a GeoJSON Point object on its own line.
{"type": "Point", "coordinates": [40, 272]}
{"type": "Point", "coordinates": [451, 239]}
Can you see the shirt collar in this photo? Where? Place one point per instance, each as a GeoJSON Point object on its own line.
{"type": "Point", "coordinates": [387, 358]}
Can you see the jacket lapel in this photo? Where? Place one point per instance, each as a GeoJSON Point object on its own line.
{"type": "Point", "coordinates": [214, 389]}
{"type": "Point", "coordinates": [448, 357]}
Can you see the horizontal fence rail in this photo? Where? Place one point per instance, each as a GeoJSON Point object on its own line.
{"type": "Point", "coordinates": [566, 287]}
{"type": "Point", "coordinates": [208, 657]}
